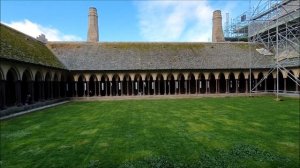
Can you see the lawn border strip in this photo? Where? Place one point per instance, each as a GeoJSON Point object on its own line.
{"type": "Point", "coordinates": [32, 110]}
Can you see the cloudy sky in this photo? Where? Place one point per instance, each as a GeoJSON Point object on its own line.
{"type": "Point", "coordinates": [159, 20]}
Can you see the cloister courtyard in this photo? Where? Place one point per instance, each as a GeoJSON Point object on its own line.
{"type": "Point", "coordinates": [192, 132]}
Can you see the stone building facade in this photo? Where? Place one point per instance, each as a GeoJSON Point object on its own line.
{"type": "Point", "coordinates": [33, 72]}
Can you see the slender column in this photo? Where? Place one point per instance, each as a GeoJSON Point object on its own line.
{"type": "Point", "coordinates": [165, 87]}
{"type": "Point", "coordinates": [266, 85]}
{"type": "Point", "coordinates": [227, 85]}
{"type": "Point", "coordinates": [144, 83]}
{"type": "Point", "coordinates": [121, 87]}
{"type": "Point", "coordinates": [207, 87]}
{"type": "Point", "coordinates": [31, 90]}
{"type": "Point", "coordinates": [189, 86]}
{"type": "Point", "coordinates": [88, 89]}
{"type": "Point", "coordinates": [132, 91]}
{"type": "Point", "coordinates": [169, 87]}
{"type": "Point", "coordinates": [185, 86]}
{"type": "Point", "coordinates": [127, 88]}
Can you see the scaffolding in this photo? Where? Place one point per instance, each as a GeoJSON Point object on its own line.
{"type": "Point", "coordinates": [275, 26]}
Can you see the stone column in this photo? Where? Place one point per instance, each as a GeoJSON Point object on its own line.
{"type": "Point", "coordinates": [227, 86]}
{"type": "Point", "coordinates": [144, 87]}
{"type": "Point", "coordinates": [266, 84]}
{"type": "Point", "coordinates": [185, 86]}
{"type": "Point", "coordinates": [255, 82]}
{"type": "Point", "coordinates": [165, 88]}
{"type": "Point", "coordinates": [110, 88]}
{"type": "Point", "coordinates": [76, 89]}
{"type": "Point", "coordinates": [207, 87]}
{"type": "Point", "coordinates": [87, 88]}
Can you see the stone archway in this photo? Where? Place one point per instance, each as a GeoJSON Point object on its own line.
{"type": "Point", "coordinates": [160, 85]}
{"type": "Point", "coordinates": [251, 82]}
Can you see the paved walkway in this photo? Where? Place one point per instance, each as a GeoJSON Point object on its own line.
{"type": "Point", "coordinates": [32, 110]}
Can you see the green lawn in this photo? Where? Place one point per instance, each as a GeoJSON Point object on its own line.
{"type": "Point", "coordinates": [204, 132]}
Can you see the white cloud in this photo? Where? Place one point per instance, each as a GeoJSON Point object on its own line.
{"type": "Point", "coordinates": [35, 29]}
{"type": "Point", "coordinates": [175, 20]}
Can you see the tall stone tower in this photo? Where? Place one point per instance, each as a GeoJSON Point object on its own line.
{"type": "Point", "coordinates": [217, 32]}
{"type": "Point", "coordinates": [93, 33]}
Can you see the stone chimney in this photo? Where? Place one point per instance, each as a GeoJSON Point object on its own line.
{"type": "Point", "coordinates": [93, 33]}
{"type": "Point", "coordinates": [217, 32]}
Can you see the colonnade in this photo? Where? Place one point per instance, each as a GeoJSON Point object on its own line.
{"type": "Point", "coordinates": [21, 88]}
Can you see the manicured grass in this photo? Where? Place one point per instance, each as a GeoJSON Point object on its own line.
{"type": "Point", "coordinates": [205, 132]}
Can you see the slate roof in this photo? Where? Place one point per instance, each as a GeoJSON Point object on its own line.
{"type": "Point", "coordinates": [156, 56]}
{"type": "Point", "coordinates": [20, 47]}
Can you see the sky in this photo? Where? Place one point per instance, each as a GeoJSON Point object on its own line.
{"type": "Point", "coordinates": [144, 20]}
